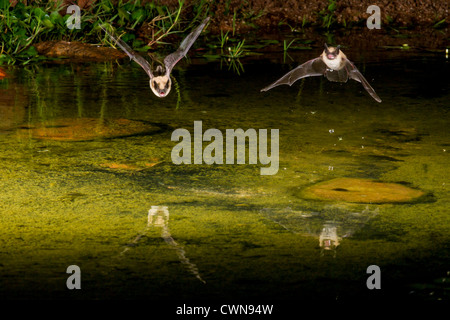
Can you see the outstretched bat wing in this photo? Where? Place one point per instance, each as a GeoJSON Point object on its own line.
{"type": "Point", "coordinates": [311, 68]}
{"type": "Point", "coordinates": [171, 60]}
{"type": "Point", "coordinates": [133, 55]}
{"type": "Point", "coordinates": [354, 74]}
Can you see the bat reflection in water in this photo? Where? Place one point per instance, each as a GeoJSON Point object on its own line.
{"type": "Point", "coordinates": [333, 64]}
{"type": "Point", "coordinates": [160, 81]}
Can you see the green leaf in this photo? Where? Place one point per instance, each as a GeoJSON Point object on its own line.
{"type": "Point", "coordinates": [31, 51]}
{"type": "Point", "coordinates": [332, 6]}
{"type": "Point", "coordinates": [128, 36]}
{"type": "Point", "coordinates": [48, 23]}
{"type": "Point", "coordinates": [137, 43]}
{"type": "Point", "coordinates": [137, 15]}
{"type": "Point", "coordinates": [439, 23]}
{"type": "Point", "coordinates": [20, 31]}
{"type": "Point", "coordinates": [160, 11]}
{"type": "Point", "coordinates": [123, 14]}
{"type": "Point", "coordinates": [39, 13]}
{"type": "Point", "coordinates": [56, 18]}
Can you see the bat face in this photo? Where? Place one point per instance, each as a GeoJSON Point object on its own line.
{"type": "Point", "coordinates": [331, 52]}
{"type": "Point", "coordinates": [161, 85]}
{"type": "Point", "coordinates": [333, 57]}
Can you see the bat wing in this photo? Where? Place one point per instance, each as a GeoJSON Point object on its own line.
{"type": "Point", "coordinates": [133, 55]}
{"type": "Point", "coordinates": [171, 60]}
{"type": "Point", "coordinates": [354, 74]}
{"type": "Point", "coordinates": [311, 68]}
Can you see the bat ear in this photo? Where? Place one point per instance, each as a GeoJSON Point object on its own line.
{"type": "Point", "coordinates": [337, 48]}
{"type": "Point", "coordinates": [159, 70]}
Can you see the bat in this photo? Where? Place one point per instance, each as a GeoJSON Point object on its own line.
{"type": "Point", "coordinates": [333, 64]}
{"type": "Point", "coordinates": [160, 81]}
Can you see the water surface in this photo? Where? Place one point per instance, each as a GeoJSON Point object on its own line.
{"type": "Point", "coordinates": [230, 232]}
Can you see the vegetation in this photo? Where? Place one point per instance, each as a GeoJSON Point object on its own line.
{"type": "Point", "coordinates": [145, 25]}
{"type": "Point", "coordinates": [23, 25]}
{"type": "Point", "coordinates": [327, 14]}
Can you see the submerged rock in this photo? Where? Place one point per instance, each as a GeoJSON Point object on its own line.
{"type": "Point", "coordinates": [361, 191]}
{"type": "Point", "coordinates": [83, 129]}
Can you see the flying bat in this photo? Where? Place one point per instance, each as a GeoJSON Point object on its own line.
{"type": "Point", "coordinates": [160, 81]}
{"type": "Point", "coordinates": [333, 64]}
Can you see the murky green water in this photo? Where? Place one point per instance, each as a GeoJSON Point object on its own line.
{"type": "Point", "coordinates": [231, 233]}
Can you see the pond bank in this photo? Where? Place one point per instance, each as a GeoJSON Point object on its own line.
{"type": "Point", "coordinates": [152, 25]}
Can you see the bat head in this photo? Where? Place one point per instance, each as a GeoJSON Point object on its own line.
{"type": "Point", "coordinates": [161, 85]}
{"type": "Point", "coordinates": [331, 52]}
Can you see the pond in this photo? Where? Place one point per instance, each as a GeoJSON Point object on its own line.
{"type": "Point", "coordinates": [88, 180]}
